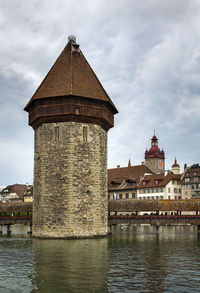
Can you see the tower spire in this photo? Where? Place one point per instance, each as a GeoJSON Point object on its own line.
{"type": "Point", "coordinates": [129, 163]}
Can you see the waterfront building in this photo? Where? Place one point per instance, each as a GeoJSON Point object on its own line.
{"type": "Point", "coordinates": [122, 181]}
{"type": "Point", "coordinates": [159, 186]}
{"type": "Point", "coordinates": [70, 113]}
{"type": "Point", "coordinates": [154, 157]}
{"type": "Point", "coordinates": [13, 193]}
{"type": "Point", "coordinates": [190, 182]}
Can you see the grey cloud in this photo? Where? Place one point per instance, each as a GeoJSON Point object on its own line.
{"type": "Point", "coordinates": [145, 53]}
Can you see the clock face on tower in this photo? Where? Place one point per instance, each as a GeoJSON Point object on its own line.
{"type": "Point", "coordinates": [160, 164]}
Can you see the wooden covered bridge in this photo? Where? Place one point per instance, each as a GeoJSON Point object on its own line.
{"type": "Point", "coordinates": [158, 212]}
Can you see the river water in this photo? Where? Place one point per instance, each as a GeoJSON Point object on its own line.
{"type": "Point", "coordinates": [133, 259]}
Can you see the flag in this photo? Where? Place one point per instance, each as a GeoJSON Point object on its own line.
{"type": "Point", "coordinates": [115, 196]}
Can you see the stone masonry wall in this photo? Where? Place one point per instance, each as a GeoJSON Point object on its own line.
{"type": "Point", "coordinates": [70, 181]}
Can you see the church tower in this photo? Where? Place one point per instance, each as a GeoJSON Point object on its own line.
{"type": "Point", "coordinates": [154, 157]}
{"type": "Point", "coordinates": [70, 113]}
{"type": "Point", "coordinates": [176, 167]}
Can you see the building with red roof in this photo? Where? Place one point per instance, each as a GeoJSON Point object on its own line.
{"type": "Point", "coordinates": [154, 157]}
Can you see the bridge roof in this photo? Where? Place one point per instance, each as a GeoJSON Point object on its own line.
{"type": "Point", "coordinates": [16, 207]}
{"type": "Point", "coordinates": [132, 205]}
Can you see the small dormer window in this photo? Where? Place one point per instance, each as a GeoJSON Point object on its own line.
{"type": "Point", "coordinates": [156, 182]}
{"type": "Point", "coordinates": [143, 183]}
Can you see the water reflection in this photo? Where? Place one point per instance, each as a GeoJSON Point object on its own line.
{"type": "Point", "coordinates": [143, 261]}
{"type": "Point", "coordinates": [135, 259]}
{"type": "Point", "coordinates": [70, 265]}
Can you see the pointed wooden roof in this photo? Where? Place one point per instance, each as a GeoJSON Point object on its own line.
{"type": "Point", "coordinates": [71, 74]}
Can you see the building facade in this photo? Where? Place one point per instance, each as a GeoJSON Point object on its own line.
{"type": "Point", "coordinates": [159, 187]}
{"type": "Point", "coordinates": [122, 182]}
{"type": "Point", "coordinates": [190, 182]}
{"type": "Point", "coordinates": [71, 114]}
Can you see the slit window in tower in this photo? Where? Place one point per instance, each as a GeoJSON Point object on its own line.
{"type": "Point", "coordinates": [84, 134]}
{"type": "Point", "coordinates": [57, 133]}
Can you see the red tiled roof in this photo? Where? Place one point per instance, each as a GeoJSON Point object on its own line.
{"type": "Point", "coordinates": [158, 180]}
{"type": "Point", "coordinates": [71, 74]}
{"type": "Point", "coordinates": [122, 175]}
{"type": "Point", "coordinates": [19, 189]}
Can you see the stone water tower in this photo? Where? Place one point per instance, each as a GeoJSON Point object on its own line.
{"type": "Point", "coordinates": [70, 113]}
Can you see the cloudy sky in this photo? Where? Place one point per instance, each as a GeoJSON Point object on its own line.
{"type": "Point", "coordinates": [145, 53]}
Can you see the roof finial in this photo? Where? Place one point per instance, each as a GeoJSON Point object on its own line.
{"type": "Point", "coordinates": [129, 163]}
{"type": "Point", "coordinates": [154, 132]}
{"type": "Point", "coordinates": [72, 39]}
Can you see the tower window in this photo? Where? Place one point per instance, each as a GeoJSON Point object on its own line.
{"type": "Point", "coordinates": [57, 133]}
{"type": "Point", "coordinates": [84, 134]}
{"type": "Point", "coordinates": [77, 110]}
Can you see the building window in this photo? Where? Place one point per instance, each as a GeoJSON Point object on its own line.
{"type": "Point", "coordinates": [195, 178]}
{"type": "Point", "coordinates": [187, 179]}
{"type": "Point", "coordinates": [108, 196]}
{"type": "Point", "coordinates": [179, 197]}
{"type": "Point", "coordinates": [195, 173]}
{"type": "Point", "coordinates": [175, 190]}
{"type": "Point", "coordinates": [157, 197]}
{"type": "Point", "coordinates": [143, 183]}
{"type": "Point", "coordinates": [152, 190]}
{"type": "Point", "coordinates": [129, 182]}
{"type": "Point", "coordinates": [186, 193]}
{"type": "Point", "coordinates": [156, 181]}
{"type": "Point", "coordinates": [127, 195]}
{"type": "Point", "coordinates": [120, 196]}
{"type": "Point", "coordinates": [169, 197]}
{"type": "Point", "coordinates": [144, 198]}
{"type": "Point", "coordinates": [144, 190]}
{"type": "Point", "coordinates": [161, 189]}
{"type": "Point", "coordinates": [133, 194]}
{"type": "Point", "coordinates": [148, 190]}
{"type": "Point", "coordinates": [188, 173]}
{"type": "Point", "coordinates": [156, 189]}
{"type": "Point", "coordinates": [152, 197]}
{"type": "Point", "coordinates": [84, 134]}
{"type": "Point", "coordinates": [169, 190]}
{"type": "Point", "coordinates": [161, 197]}
{"type": "Point", "coordinates": [179, 190]}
